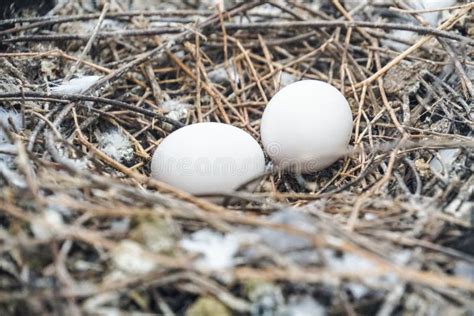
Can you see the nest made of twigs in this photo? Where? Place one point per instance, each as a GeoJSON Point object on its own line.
{"type": "Point", "coordinates": [388, 228]}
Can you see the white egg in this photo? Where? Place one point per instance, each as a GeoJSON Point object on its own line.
{"type": "Point", "coordinates": [306, 125]}
{"type": "Point", "coordinates": [207, 158]}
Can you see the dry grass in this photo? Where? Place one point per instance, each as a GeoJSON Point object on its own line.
{"type": "Point", "coordinates": [383, 199]}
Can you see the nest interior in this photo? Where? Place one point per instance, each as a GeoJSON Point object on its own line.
{"type": "Point", "coordinates": [387, 230]}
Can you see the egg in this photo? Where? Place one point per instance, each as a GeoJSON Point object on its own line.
{"type": "Point", "coordinates": [306, 126]}
{"type": "Point", "coordinates": [207, 158]}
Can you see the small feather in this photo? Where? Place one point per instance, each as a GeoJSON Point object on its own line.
{"type": "Point", "coordinates": [116, 145]}
{"type": "Point", "coordinates": [75, 86]}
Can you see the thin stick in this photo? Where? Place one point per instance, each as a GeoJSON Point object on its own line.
{"type": "Point", "coordinates": [88, 46]}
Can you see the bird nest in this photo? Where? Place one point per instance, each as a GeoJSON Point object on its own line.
{"type": "Point", "coordinates": [88, 92]}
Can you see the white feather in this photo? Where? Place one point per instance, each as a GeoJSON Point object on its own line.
{"type": "Point", "coordinates": [75, 86]}
{"type": "Point", "coordinates": [176, 109]}
{"type": "Point", "coordinates": [404, 35]}
{"type": "Point", "coordinates": [115, 144]}
{"type": "Point", "coordinates": [5, 118]}
{"type": "Point", "coordinates": [464, 270]}
{"type": "Point", "coordinates": [131, 258]}
{"type": "Point", "coordinates": [13, 178]}
{"type": "Point", "coordinates": [286, 79]}
{"type": "Point", "coordinates": [304, 306]}
{"type": "Point", "coordinates": [432, 18]}
{"type": "Point", "coordinates": [217, 250]}
{"type": "Point", "coordinates": [284, 242]}
{"type": "Point", "coordinates": [8, 150]}
{"type": "Point", "coordinates": [447, 159]}
{"type": "Point", "coordinates": [223, 75]}
{"type": "Point", "coordinates": [47, 224]}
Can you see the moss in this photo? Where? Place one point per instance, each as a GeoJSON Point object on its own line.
{"type": "Point", "coordinates": [207, 306]}
{"type": "Point", "coordinates": [157, 234]}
